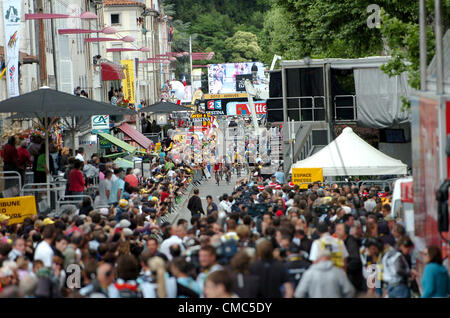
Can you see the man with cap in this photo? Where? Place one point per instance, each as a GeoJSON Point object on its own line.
{"type": "Point", "coordinates": [4, 219]}
{"type": "Point", "coordinates": [324, 280]}
{"type": "Point", "coordinates": [123, 208]}
{"type": "Point", "coordinates": [296, 263]}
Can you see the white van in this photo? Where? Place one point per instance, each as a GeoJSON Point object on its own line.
{"type": "Point", "coordinates": [402, 205]}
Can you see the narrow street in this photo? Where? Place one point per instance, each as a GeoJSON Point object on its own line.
{"type": "Point", "coordinates": [206, 188]}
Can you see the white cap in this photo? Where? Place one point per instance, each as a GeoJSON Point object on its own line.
{"type": "Point", "coordinates": [124, 223]}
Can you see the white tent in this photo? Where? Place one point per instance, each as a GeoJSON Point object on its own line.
{"type": "Point", "coordinates": [349, 155]}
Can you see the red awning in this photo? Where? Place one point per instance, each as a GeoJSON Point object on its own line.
{"type": "Point", "coordinates": [139, 138]}
{"type": "Point", "coordinates": [407, 192]}
{"type": "Point", "coordinates": [112, 72]}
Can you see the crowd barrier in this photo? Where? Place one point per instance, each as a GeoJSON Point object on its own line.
{"type": "Point", "coordinates": [11, 189]}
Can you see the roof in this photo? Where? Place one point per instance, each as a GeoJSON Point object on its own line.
{"type": "Point", "coordinates": [370, 62]}
{"type": "Point", "coordinates": [349, 155]}
{"type": "Point", "coordinates": [135, 135]}
{"type": "Point", "coordinates": [53, 103]}
{"type": "Point", "coordinates": [24, 58]}
{"type": "Point", "coordinates": [119, 143]}
{"type": "Point", "coordinates": [110, 3]}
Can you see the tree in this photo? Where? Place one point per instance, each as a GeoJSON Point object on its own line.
{"type": "Point", "coordinates": [242, 47]}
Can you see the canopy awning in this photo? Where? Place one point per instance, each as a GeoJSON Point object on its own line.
{"type": "Point", "coordinates": [119, 143]}
{"type": "Point", "coordinates": [112, 72]}
{"type": "Point", "coordinates": [135, 135]}
{"type": "Point", "coordinates": [349, 155]}
{"type": "Point", "coordinates": [164, 108]}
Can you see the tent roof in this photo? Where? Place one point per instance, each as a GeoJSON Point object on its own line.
{"type": "Point", "coordinates": [118, 142]}
{"type": "Point", "coordinates": [53, 103]}
{"type": "Point", "coordinates": [349, 155]}
{"type": "Point", "coordinates": [136, 135]}
{"type": "Point", "coordinates": [165, 107]}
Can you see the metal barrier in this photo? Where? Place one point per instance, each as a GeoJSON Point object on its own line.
{"type": "Point", "coordinates": [382, 183]}
{"type": "Point", "coordinates": [72, 199]}
{"type": "Point", "coordinates": [48, 188]}
{"type": "Point", "coordinates": [13, 175]}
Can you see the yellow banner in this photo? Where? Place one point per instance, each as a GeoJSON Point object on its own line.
{"type": "Point", "coordinates": [306, 175]}
{"type": "Point", "coordinates": [225, 96]}
{"type": "Point", "coordinates": [128, 82]}
{"type": "Point", "coordinates": [18, 208]}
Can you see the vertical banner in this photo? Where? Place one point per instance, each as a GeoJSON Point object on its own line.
{"type": "Point", "coordinates": [128, 83]}
{"type": "Point", "coordinates": [11, 14]}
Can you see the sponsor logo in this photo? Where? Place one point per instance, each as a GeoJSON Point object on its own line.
{"type": "Point", "coordinates": [12, 15]}
{"type": "Point", "coordinates": [211, 105]}
{"type": "Point", "coordinates": [218, 105]}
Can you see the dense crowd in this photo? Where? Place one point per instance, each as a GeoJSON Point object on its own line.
{"type": "Point", "coordinates": [268, 238]}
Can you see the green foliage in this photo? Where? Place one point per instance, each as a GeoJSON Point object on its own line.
{"type": "Point", "coordinates": [217, 22]}
{"type": "Point", "coordinates": [243, 47]}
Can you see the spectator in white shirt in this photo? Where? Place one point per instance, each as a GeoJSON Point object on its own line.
{"type": "Point", "coordinates": [44, 250]}
{"type": "Point", "coordinates": [225, 204]}
{"type": "Point", "coordinates": [177, 234]}
{"type": "Point", "coordinates": [80, 155]}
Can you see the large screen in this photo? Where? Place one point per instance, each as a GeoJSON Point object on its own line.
{"type": "Point", "coordinates": [228, 78]}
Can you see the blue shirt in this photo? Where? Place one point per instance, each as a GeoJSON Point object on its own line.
{"type": "Point", "coordinates": [435, 281]}
{"type": "Point", "coordinates": [118, 184]}
{"type": "Point", "coordinates": [279, 176]}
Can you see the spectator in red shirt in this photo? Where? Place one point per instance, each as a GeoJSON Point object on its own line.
{"type": "Point", "coordinates": [10, 158]}
{"type": "Point", "coordinates": [23, 160]}
{"type": "Point", "coordinates": [131, 179]}
{"type": "Point", "coordinates": [164, 194]}
{"type": "Point", "coordinates": [76, 180]}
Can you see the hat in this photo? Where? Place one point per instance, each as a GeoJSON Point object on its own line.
{"type": "Point", "coordinates": [272, 185]}
{"type": "Point", "coordinates": [278, 187]}
{"type": "Point", "coordinates": [104, 211]}
{"type": "Point", "coordinates": [47, 221]}
{"type": "Point", "coordinates": [127, 232]}
{"type": "Point", "coordinates": [155, 199]}
{"type": "Point", "coordinates": [291, 184]}
{"type": "Point", "coordinates": [261, 188]}
{"type": "Point", "coordinates": [323, 253]}
{"type": "Point", "coordinates": [4, 217]}
{"type": "Point", "coordinates": [124, 223]}
{"type": "Point", "coordinates": [255, 174]}
{"type": "Point", "coordinates": [279, 213]}
{"type": "Point", "coordinates": [123, 203]}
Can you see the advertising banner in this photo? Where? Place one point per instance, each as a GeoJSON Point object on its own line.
{"type": "Point", "coordinates": [243, 108]}
{"type": "Point", "coordinates": [11, 15]}
{"type": "Point", "coordinates": [128, 83]}
{"type": "Point", "coordinates": [222, 78]}
{"type": "Point", "coordinates": [231, 107]}
{"type": "Point", "coordinates": [18, 208]}
{"type": "Point", "coordinates": [306, 175]}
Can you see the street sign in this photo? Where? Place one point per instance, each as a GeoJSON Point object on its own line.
{"type": "Point", "coordinates": [306, 175]}
{"type": "Point", "coordinates": [100, 124]}
{"type": "Point", "coordinates": [18, 208]}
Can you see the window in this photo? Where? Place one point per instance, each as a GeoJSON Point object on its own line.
{"type": "Point", "coordinates": [116, 57]}
{"type": "Point", "coordinates": [115, 19]}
